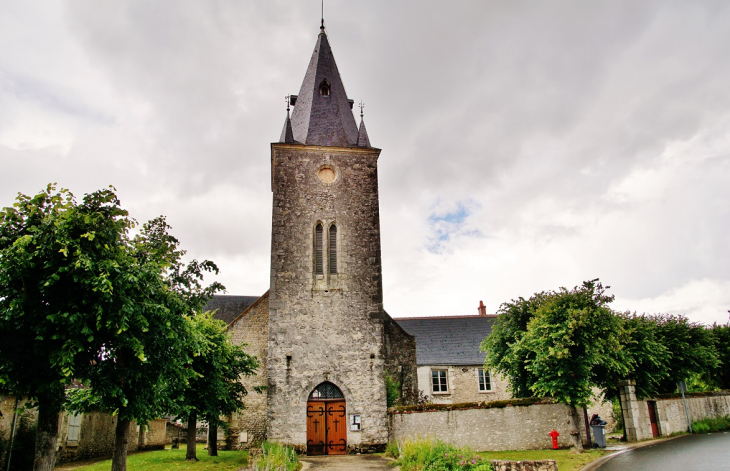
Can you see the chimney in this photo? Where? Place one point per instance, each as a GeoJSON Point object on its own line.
{"type": "Point", "coordinates": [482, 309]}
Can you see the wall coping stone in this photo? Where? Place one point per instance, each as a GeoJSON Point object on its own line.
{"type": "Point", "coordinates": [520, 402]}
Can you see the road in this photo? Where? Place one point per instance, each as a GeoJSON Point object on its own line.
{"type": "Point", "coordinates": [692, 452]}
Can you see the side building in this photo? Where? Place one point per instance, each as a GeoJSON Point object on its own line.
{"type": "Point", "coordinates": [450, 363]}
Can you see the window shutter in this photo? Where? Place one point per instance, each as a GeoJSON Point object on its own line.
{"type": "Point", "coordinates": [333, 249]}
{"type": "Point", "coordinates": [318, 267]}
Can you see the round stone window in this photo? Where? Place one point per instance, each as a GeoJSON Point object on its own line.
{"type": "Point", "coordinates": [326, 174]}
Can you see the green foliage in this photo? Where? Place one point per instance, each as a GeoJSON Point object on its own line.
{"type": "Point", "coordinates": [716, 424]}
{"type": "Point", "coordinates": [59, 261]}
{"type": "Point", "coordinates": [646, 358]}
{"type": "Point", "coordinates": [392, 391]}
{"type": "Point", "coordinates": [217, 365]}
{"type": "Point", "coordinates": [510, 326]}
{"type": "Point", "coordinates": [691, 350]}
{"type": "Point", "coordinates": [277, 457]}
{"type": "Point", "coordinates": [437, 456]}
{"type": "Point", "coordinates": [720, 376]}
{"type": "Point", "coordinates": [617, 415]}
{"type": "Point", "coordinates": [163, 460]}
{"type": "Point", "coordinates": [145, 347]}
{"type": "Point", "coordinates": [572, 333]}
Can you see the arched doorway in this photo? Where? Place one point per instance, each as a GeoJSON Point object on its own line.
{"type": "Point", "coordinates": [326, 421]}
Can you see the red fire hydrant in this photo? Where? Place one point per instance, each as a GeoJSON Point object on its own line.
{"type": "Point", "coordinates": [554, 435]}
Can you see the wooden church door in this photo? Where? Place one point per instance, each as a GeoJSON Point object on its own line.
{"type": "Point", "coordinates": [326, 421]}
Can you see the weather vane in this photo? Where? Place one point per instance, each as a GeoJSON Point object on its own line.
{"type": "Point", "coordinates": [362, 105]}
{"type": "Point", "coordinates": [287, 103]}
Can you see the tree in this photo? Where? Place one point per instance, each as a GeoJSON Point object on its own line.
{"type": "Point", "coordinates": [645, 356]}
{"type": "Point", "coordinates": [145, 345]}
{"type": "Point", "coordinates": [569, 334]}
{"type": "Point", "coordinates": [721, 373]}
{"type": "Point", "coordinates": [508, 329]}
{"type": "Point", "coordinates": [215, 389]}
{"type": "Point", "coordinates": [691, 350]}
{"type": "Point", "coordinates": [58, 260]}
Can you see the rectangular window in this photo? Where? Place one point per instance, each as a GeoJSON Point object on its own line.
{"type": "Point", "coordinates": [439, 383]}
{"type": "Point", "coordinates": [74, 427]}
{"type": "Point", "coordinates": [485, 381]}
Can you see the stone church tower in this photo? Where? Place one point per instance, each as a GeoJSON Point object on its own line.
{"type": "Point", "coordinates": [326, 296]}
{"type": "Point", "coordinates": [331, 345]}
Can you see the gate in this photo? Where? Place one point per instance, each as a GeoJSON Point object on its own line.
{"type": "Point", "coordinates": [326, 421]}
{"type": "Point", "coordinates": [653, 419]}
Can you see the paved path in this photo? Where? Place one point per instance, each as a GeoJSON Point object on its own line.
{"type": "Point", "coordinates": [708, 451]}
{"type": "Point", "coordinates": [346, 463]}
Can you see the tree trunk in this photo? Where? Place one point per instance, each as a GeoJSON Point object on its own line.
{"type": "Point", "coordinates": [212, 439]}
{"type": "Point", "coordinates": [121, 440]}
{"type": "Point", "coordinates": [47, 434]}
{"type": "Point", "coordinates": [192, 432]}
{"type": "Point", "coordinates": [577, 444]}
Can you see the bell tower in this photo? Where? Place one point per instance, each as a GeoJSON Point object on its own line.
{"type": "Point", "coordinates": [327, 327]}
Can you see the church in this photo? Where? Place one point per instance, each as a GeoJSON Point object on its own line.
{"type": "Point", "coordinates": [326, 345]}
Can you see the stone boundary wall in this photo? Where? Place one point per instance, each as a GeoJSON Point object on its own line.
{"type": "Point", "coordinates": [514, 427]}
{"type": "Point", "coordinates": [671, 416]}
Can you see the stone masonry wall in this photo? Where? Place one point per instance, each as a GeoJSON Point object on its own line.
{"type": "Point", "coordinates": [672, 418]}
{"type": "Point", "coordinates": [326, 327]}
{"type": "Point", "coordinates": [496, 429]}
{"type": "Point", "coordinates": [463, 385]}
{"type": "Point", "coordinates": [248, 426]}
{"type": "Point", "coordinates": [400, 359]}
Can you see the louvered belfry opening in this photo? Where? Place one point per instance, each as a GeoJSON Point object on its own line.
{"type": "Point", "coordinates": [318, 262]}
{"type": "Point", "coordinates": [333, 249]}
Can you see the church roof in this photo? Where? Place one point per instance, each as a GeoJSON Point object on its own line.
{"type": "Point", "coordinates": [322, 112]}
{"type": "Point", "coordinates": [452, 340]}
{"type": "Point", "coordinates": [229, 307]}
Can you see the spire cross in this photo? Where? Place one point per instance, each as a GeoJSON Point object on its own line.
{"type": "Point", "coordinates": [322, 24]}
{"type": "Point", "coordinates": [362, 105]}
{"type": "Point", "coordinates": [287, 103]}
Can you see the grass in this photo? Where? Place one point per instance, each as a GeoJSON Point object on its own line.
{"type": "Point", "coordinates": [567, 461]}
{"type": "Point", "coordinates": [277, 457]}
{"type": "Point", "coordinates": [436, 455]}
{"type": "Point", "coordinates": [172, 459]}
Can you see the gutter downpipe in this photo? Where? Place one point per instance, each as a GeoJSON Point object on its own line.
{"type": "Point", "coordinates": [12, 433]}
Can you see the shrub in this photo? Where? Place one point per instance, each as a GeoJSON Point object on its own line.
{"type": "Point", "coordinates": [711, 425]}
{"type": "Point", "coordinates": [392, 391]}
{"type": "Point", "coordinates": [700, 427]}
{"type": "Point", "coordinates": [618, 416]}
{"type": "Point", "coordinates": [437, 456]}
{"type": "Point", "coordinates": [277, 457]}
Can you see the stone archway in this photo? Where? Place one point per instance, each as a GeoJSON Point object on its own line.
{"type": "Point", "coordinates": [326, 421]}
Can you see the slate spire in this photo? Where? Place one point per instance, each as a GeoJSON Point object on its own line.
{"type": "Point", "coordinates": [323, 114]}
{"type": "Point", "coordinates": [362, 134]}
{"type": "Point", "coordinates": [287, 135]}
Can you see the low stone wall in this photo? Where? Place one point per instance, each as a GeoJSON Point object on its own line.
{"type": "Point", "coordinates": [538, 465]}
{"type": "Point", "coordinates": [512, 427]}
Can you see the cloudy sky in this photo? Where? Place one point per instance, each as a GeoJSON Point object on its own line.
{"type": "Point", "coordinates": [526, 145]}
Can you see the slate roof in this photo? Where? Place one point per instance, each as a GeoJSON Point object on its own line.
{"type": "Point", "coordinates": [228, 306]}
{"type": "Point", "coordinates": [317, 119]}
{"type": "Point", "coordinates": [452, 340]}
